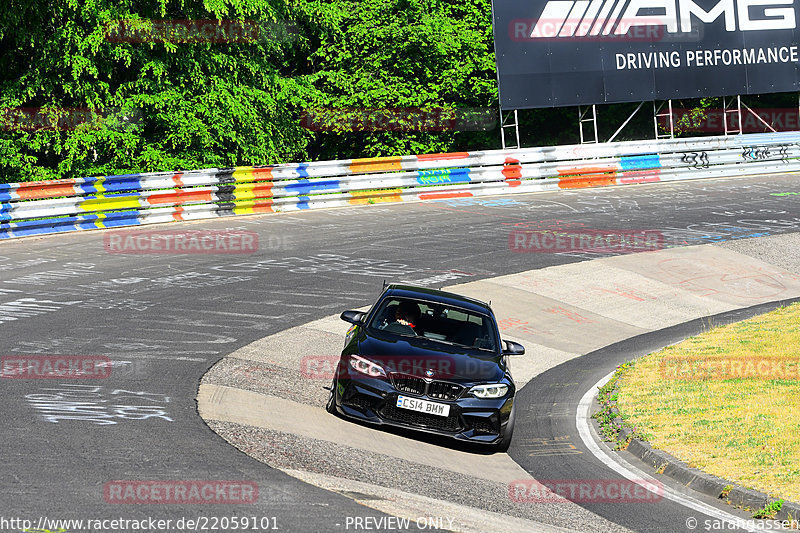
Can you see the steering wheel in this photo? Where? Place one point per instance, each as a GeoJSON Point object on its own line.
{"type": "Point", "coordinates": [401, 329]}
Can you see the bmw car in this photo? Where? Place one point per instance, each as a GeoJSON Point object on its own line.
{"type": "Point", "coordinates": [427, 360]}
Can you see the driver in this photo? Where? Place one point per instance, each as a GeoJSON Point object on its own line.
{"type": "Point", "coordinates": [407, 314]}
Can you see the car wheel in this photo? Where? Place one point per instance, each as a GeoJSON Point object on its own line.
{"type": "Point", "coordinates": [505, 442]}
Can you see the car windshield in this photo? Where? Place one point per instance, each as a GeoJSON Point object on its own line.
{"type": "Point", "coordinates": [435, 321]}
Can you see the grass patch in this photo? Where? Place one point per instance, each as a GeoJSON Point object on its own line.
{"type": "Point", "coordinates": [725, 401]}
{"type": "Point", "coordinates": [769, 511]}
{"type": "Point", "coordinates": [610, 421]}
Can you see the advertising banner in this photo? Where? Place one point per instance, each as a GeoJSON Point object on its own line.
{"type": "Point", "coordinates": [554, 53]}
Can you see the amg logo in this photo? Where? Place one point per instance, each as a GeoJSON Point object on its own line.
{"type": "Point", "coordinates": [568, 18]}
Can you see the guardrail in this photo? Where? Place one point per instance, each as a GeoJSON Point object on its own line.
{"type": "Point", "coordinates": [41, 207]}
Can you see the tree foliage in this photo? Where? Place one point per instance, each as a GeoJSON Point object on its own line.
{"type": "Point", "coordinates": [167, 104]}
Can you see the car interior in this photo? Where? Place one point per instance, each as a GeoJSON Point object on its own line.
{"type": "Point", "coordinates": [438, 322]}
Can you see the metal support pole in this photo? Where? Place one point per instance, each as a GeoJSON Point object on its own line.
{"type": "Point", "coordinates": [737, 111]}
{"type": "Point", "coordinates": [769, 126]}
{"type": "Point", "coordinates": [671, 120]}
{"type": "Point", "coordinates": [657, 113]}
{"type": "Point", "coordinates": [630, 117]}
{"type": "Point", "coordinates": [582, 112]}
{"type": "Point", "coordinates": [509, 120]}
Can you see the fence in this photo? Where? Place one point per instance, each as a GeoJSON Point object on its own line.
{"type": "Point", "coordinates": [112, 201]}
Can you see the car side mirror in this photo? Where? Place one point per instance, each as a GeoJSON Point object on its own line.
{"type": "Point", "coordinates": [354, 317]}
{"type": "Point", "coordinates": [513, 348]}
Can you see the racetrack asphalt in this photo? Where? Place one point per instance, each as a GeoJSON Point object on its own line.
{"type": "Point", "coordinates": [254, 397]}
{"type": "Point", "coordinates": [166, 319]}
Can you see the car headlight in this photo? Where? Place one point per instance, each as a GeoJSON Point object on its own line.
{"type": "Point", "coordinates": [366, 367]}
{"type": "Point", "coordinates": [495, 390]}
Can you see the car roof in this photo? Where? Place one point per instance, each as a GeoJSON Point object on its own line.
{"type": "Point", "coordinates": [435, 295]}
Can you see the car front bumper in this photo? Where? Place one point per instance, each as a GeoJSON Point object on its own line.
{"type": "Point", "coordinates": [374, 400]}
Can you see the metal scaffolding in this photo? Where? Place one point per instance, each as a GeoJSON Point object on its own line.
{"type": "Point", "coordinates": [509, 120]}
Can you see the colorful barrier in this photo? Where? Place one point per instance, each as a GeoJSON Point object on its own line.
{"type": "Point", "coordinates": [34, 208]}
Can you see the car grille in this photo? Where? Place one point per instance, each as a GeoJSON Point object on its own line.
{"type": "Point", "coordinates": [439, 390]}
{"type": "Point", "coordinates": [450, 423]}
{"type": "Point", "coordinates": [409, 384]}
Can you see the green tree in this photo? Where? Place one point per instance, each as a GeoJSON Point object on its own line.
{"type": "Point", "coordinates": [183, 105]}
{"type": "Point", "coordinates": [402, 54]}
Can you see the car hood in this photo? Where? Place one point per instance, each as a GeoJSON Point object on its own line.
{"type": "Point", "coordinates": [453, 363]}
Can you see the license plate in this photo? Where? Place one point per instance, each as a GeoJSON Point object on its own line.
{"type": "Point", "coordinates": [423, 406]}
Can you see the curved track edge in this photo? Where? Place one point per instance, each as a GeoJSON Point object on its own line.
{"type": "Point", "coordinates": [574, 309]}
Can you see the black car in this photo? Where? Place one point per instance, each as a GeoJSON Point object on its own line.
{"type": "Point", "coordinates": [431, 361]}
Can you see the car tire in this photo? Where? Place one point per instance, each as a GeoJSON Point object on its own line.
{"type": "Point", "coordinates": [505, 442]}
